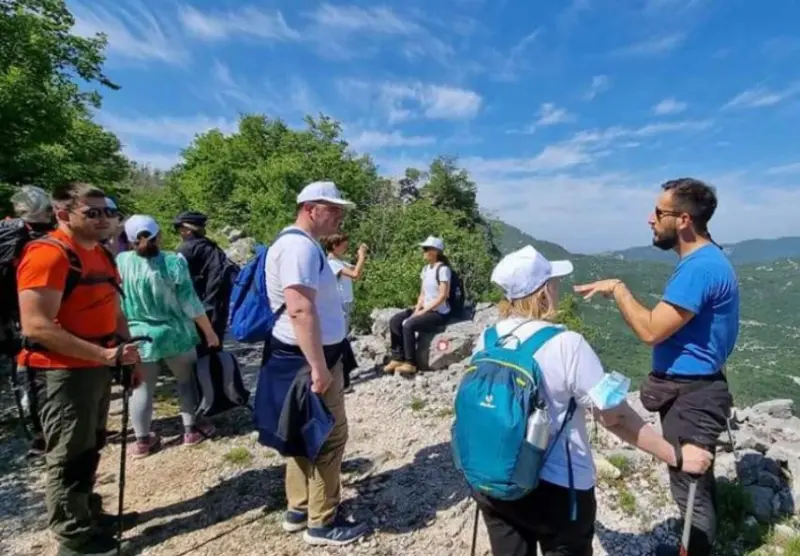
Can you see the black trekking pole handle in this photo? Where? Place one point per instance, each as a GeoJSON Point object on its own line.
{"type": "Point", "coordinates": [124, 371]}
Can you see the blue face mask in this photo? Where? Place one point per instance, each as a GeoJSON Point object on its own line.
{"type": "Point", "coordinates": [611, 391]}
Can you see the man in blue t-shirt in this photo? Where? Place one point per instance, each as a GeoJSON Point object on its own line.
{"type": "Point", "coordinates": [693, 331]}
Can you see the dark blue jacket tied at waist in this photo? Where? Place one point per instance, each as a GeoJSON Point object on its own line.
{"type": "Point", "coordinates": [288, 416]}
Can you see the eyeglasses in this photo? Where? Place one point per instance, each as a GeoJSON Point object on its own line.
{"type": "Point", "coordinates": [95, 213]}
{"type": "Point", "coordinates": [660, 213]}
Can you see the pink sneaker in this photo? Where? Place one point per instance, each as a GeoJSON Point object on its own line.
{"type": "Point", "coordinates": [143, 448]}
{"type": "Point", "coordinates": [200, 433]}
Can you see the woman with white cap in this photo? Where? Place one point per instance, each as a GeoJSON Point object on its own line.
{"type": "Point", "coordinates": [559, 514]}
{"type": "Point", "coordinates": [160, 302]}
{"type": "Point", "coordinates": [430, 313]}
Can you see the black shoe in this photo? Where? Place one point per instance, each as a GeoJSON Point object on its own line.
{"type": "Point", "coordinates": [36, 449]}
{"type": "Point", "coordinates": [97, 545]}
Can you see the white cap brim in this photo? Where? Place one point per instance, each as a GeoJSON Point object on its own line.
{"type": "Point", "coordinates": [339, 202]}
{"type": "Point", "coordinates": [561, 268]}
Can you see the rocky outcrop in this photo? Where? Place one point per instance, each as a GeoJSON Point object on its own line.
{"type": "Point", "coordinates": [451, 344]}
{"type": "Point", "coordinates": [240, 248]}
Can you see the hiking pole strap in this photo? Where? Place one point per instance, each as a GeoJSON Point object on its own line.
{"type": "Point", "coordinates": [573, 496]}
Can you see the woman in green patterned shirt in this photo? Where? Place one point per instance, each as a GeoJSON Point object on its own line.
{"type": "Point", "coordinates": [160, 302]}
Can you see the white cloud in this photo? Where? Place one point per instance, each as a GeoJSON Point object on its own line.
{"type": "Point", "coordinates": [549, 115]}
{"type": "Point", "coordinates": [133, 31]}
{"type": "Point", "coordinates": [408, 100]}
{"type": "Point", "coordinates": [354, 19]}
{"type": "Point", "coordinates": [653, 47]}
{"type": "Point", "coordinates": [155, 159]}
{"type": "Point", "coordinates": [165, 130]}
{"type": "Point", "coordinates": [793, 168]}
{"type": "Point", "coordinates": [376, 140]}
{"type": "Point", "coordinates": [600, 84]}
{"type": "Point", "coordinates": [760, 96]}
{"type": "Point", "coordinates": [507, 66]}
{"type": "Point", "coordinates": [669, 106]}
{"type": "Point", "coordinates": [248, 21]}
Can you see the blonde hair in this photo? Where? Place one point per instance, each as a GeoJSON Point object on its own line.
{"type": "Point", "coordinates": [539, 305]}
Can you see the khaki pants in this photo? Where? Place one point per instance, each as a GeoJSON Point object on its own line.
{"type": "Point", "coordinates": [74, 412]}
{"type": "Point", "coordinates": [317, 488]}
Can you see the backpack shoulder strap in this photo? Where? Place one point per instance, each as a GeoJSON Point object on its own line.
{"type": "Point", "coordinates": [75, 271]}
{"type": "Point", "coordinates": [296, 232]}
{"type": "Point", "coordinates": [529, 347]}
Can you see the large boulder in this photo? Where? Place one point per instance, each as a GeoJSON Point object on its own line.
{"type": "Point", "coordinates": [446, 346]}
{"type": "Point", "coordinates": [241, 250]}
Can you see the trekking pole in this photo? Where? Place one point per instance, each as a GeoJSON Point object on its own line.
{"type": "Point", "coordinates": [687, 522]}
{"type": "Point", "coordinates": [125, 373]}
{"type": "Point", "coordinates": [16, 388]}
{"type": "Point", "coordinates": [475, 530]}
{"type": "Point", "coordinates": [730, 438]}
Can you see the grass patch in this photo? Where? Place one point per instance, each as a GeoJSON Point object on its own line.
{"type": "Point", "coordinates": [627, 502]}
{"type": "Point", "coordinates": [445, 412]}
{"type": "Point", "coordinates": [621, 462]}
{"type": "Point", "coordinates": [239, 456]}
{"type": "Point", "coordinates": [417, 404]}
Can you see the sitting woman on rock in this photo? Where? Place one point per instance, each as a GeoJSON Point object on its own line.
{"type": "Point", "coordinates": [160, 302]}
{"type": "Point", "coordinates": [430, 313]}
{"type": "Point", "coordinates": [559, 514]}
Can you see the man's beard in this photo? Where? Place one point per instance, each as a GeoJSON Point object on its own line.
{"type": "Point", "coordinates": [667, 241]}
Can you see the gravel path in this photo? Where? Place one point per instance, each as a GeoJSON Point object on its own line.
{"type": "Point", "coordinates": [226, 496]}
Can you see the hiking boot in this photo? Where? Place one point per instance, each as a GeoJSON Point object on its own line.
{"type": "Point", "coordinates": [406, 369]}
{"type": "Point", "coordinates": [143, 448]}
{"type": "Point", "coordinates": [392, 365]}
{"type": "Point", "coordinates": [338, 533]}
{"type": "Point", "coordinates": [294, 521]}
{"type": "Point", "coordinates": [198, 434]}
{"type": "Point", "coordinates": [98, 545]}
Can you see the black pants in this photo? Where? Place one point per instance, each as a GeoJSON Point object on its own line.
{"type": "Point", "coordinates": [404, 341]}
{"type": "Point", "coordinates": [542, 517]}
{"type": "Point", "coordinates": [692, 410]}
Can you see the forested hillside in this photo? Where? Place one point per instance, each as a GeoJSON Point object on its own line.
{"type": "Point", "coordinates": [50, 87]}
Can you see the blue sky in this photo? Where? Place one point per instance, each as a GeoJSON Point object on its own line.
{"type": "Point", "coordinates": [569, 114]}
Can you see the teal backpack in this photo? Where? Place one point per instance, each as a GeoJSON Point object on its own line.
{"type": "Point", "coordinates": [494, 400]}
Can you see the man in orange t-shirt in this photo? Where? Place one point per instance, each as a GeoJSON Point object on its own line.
{"type": "Point", "coordinates": [71, 322]}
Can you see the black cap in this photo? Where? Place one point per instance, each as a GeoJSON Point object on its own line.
{"type": "Point", "coordinates": [191, 217]}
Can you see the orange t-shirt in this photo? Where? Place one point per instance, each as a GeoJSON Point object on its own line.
{"type": "Point", "coordinates": [90, 312]}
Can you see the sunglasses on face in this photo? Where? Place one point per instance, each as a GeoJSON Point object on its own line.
{"type": "Point", "coordinates": [660, 213]}
{"type": "Point", "coordinates": [96, 213]}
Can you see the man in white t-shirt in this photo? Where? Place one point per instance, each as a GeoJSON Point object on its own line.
{"type": "Point", "coordinates": [313, 324]}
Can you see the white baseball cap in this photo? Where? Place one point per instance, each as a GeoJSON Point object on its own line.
{"type": "Point", "coordinates": [139, 223]}
{"type": "Point", "coordinates": [323, 192]}
{"type": "Point", "coordinates": [434, 242]}
{"type": "Point", "coordinates": [524, 271]}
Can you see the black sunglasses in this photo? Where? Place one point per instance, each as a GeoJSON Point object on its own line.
{"type": "Point", "coordinates": [660, 213]}
{"type": "Point", "coordinates": [95, 213]}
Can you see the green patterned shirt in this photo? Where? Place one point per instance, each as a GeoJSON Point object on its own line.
{"type": "Point", "coordinates": [160, 302]}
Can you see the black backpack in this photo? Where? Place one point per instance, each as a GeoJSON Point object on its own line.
{"type": "Point", "coordinates": [457, 295]}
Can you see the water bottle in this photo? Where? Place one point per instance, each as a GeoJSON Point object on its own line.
{"type": "Point", "coordinates": [538, 428]}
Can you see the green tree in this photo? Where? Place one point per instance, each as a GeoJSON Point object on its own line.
{"type": "Point", "coordinates": [48, 136]}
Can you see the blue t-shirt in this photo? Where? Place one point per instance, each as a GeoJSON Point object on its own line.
{"type": "Point", "coordinates": [704, 282]}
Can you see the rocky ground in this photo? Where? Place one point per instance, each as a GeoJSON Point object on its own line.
{"type": "Point", "coordinates": [226, 495]}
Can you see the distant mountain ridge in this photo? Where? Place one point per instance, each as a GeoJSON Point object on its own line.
{"type": "Point", "coordinates": [750, 251]}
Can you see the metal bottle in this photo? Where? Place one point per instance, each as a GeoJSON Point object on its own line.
{"type": "Point", "coordinates": [538, 432]}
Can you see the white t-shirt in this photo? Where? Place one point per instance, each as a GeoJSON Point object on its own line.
{"type": "Point", "coordinates": [294, 260]}
{"type": "Point", "coordinates": [570, 368]}
{"type": "Point", "coordinates": [345, 283]}
{"type": "Point", "coordinates": [430, 285]}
